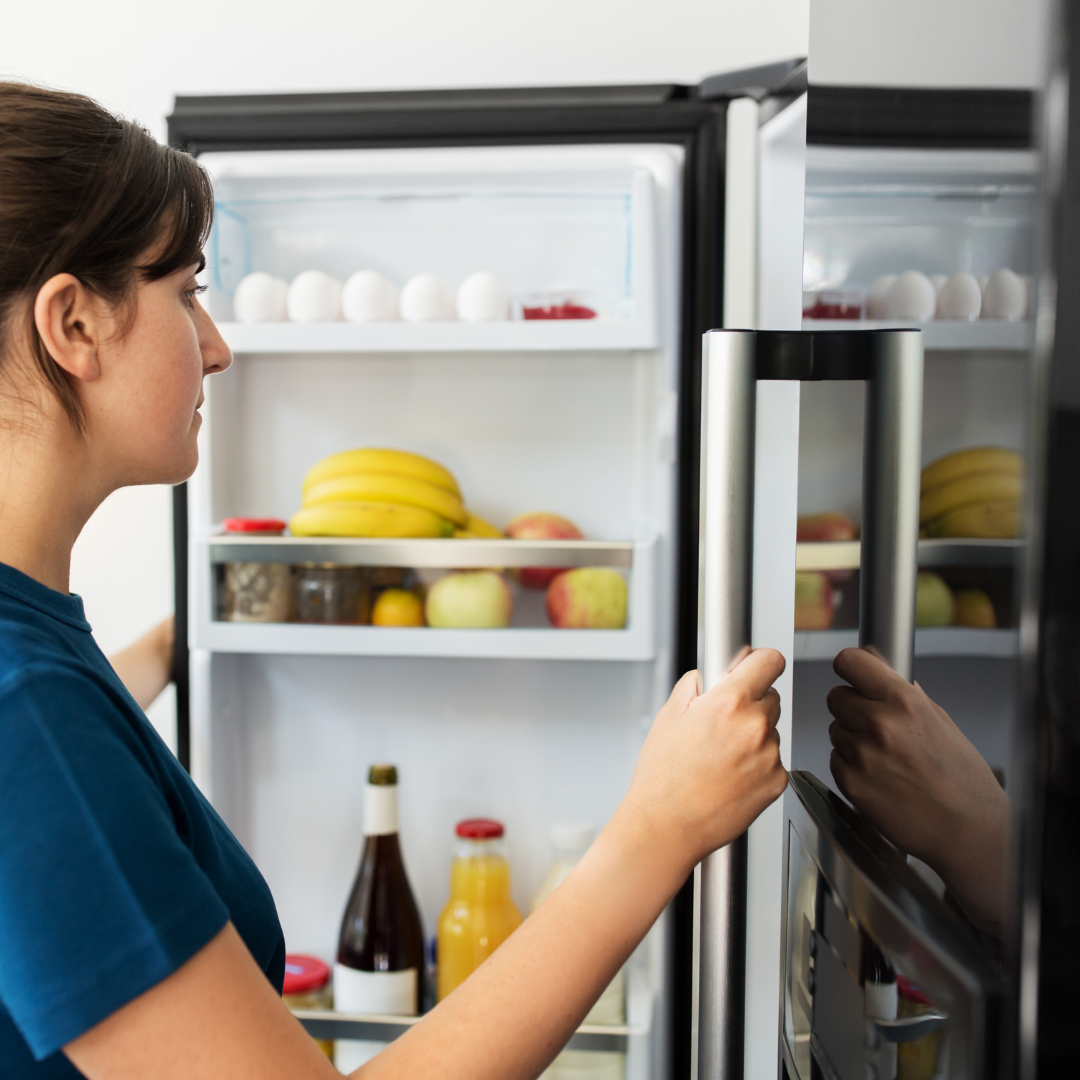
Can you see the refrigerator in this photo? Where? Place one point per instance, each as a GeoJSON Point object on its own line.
{"type": "Point", "coordinates": [632, 201]}
{"type": "Point", "coordinates": [671, 212]}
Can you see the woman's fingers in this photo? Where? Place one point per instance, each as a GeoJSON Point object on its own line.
{"type": "Point", "coordinates": [850, 708]}
{"type": "Point", "coordinates": [756, 672]}
{"type": "Point", "coordinates": [866, 672]}
{"type": "Point", "coordinates": [771, 700]}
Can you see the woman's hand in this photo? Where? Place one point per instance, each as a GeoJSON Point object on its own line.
{"type": "Point", "coordinates": [711, 762]}
{"type": "Point", "coordinates": [903, 762]}
{"type": "Point", "coordinates": [146, 667]}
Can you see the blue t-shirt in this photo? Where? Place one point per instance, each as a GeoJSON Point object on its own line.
{"type": "Point", "coordinates": [114, 869]}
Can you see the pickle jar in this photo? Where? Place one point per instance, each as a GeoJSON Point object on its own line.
{"type": "Point", "coordinates": [256, 591]}
{"type": "Point", "coordinates": [328, 593]}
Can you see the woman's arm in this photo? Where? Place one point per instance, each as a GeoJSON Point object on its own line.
{"type": "Point", "coordinates": [710, 765]}
{"type": "Point", "coordinates": [145, 667]}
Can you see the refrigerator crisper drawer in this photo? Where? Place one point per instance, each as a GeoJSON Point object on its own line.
{"type": "Point", "coordinates": [555, 225]}
{"type": "Point", "coordinates": [873, 960]}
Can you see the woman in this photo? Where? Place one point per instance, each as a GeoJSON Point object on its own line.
{"type": "Point", "coordinates": [137, 939]}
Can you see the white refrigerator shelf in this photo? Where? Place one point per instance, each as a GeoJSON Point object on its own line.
{"type": "Point", "coordinates": [539, 335]}
{"type": "Point", "coordinates": [844, 554]}
{"type": "Point", "coordinates": [636, 642]}
{"type": "Point", "coordinates": [632, 1038]}
{"type": "Point", "coordinates": [946, 334]}
{"type": "Point", "coordinates": [929, 641]}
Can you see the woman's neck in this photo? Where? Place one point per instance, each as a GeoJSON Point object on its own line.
{"type": "Point", "coordinates": [48, 491]}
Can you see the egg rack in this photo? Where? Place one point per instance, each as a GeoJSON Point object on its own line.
{"type": "Point", "coordinates": [948, 335]}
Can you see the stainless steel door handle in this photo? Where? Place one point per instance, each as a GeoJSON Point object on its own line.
{"type": "Point", "coordinates": [891, 364]}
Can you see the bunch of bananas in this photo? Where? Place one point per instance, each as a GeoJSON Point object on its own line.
{"type": "Point", "coordinates": [384, 493]}
{"type": "Point", "coordinates": [973, 493]}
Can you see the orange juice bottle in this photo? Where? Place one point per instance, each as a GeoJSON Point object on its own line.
{"type": "Point", "coordinates": [479, 916]}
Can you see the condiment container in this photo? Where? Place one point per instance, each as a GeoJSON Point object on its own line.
{"type": "Point", "coordinates": [256, 591]}
{"type": "Point", "coordinates": [480, 915]}
{"type": "Point", "coordinates": [918, 1059]}
{"type": "Point", "coordinates": [307, 986]}
{"type": "Point", "coordinates": [327, 593]}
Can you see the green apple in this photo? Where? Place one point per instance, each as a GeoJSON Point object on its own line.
{"type": "Point", "coordinates": [588, 598]}
{"type": "Point", "coordinates": [813, 600]}
{"type": "Point", "coordinates": [473, 599]}
{"type": "Point", "coordinates": [934, 604]}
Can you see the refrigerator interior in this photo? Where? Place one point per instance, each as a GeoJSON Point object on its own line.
{"type": "Point", "coordinates": [871, 212]}
{"type": "Point", "coordinates": [524, 724]}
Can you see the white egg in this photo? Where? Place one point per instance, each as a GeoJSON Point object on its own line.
{"type": "Point", "coordinates": [260, 298]}
{"type": "Point", "coordinates": [314, 297]}
{"type": "Point", "coordinates": [961, 298]}
{"type": "Point", "coordinates": [875, 298]}
{"type": "Point", "coordinates": [1004, 296]}
{"type": "Point", "coordinates": [369, 297]}
{"type": "Point", "coordinates": [911, 297]}
{"type": "Point", "coordinates": [482, 298]}
{"type": "Point", "coordinates": [938, 281]}
{"type": "Point", "coordinates": [427, 298]}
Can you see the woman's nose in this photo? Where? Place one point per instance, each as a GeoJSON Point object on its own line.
{"type": "Point", "coordinates": [215, 353]}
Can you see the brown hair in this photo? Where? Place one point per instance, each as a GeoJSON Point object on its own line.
{"type": "Point", "coordinates": [85, 193]}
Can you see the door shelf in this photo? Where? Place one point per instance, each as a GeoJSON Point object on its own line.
{"type": "Point", "coordinates": [929, 641]}
{"type": "Point", "coordinates": [946, 334]}
{"type": "Point", "coordinates": [556, 335]}
{"type": "Point", "coordinates": [531, 642]}
{"type": "Point", "coordinates": [633, 1038]}
{"type": "Point", "coordinates": [458, 554]}
{"type": "Point", "coordinates": [844, 554]}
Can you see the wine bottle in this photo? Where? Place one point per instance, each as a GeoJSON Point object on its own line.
{"type": "Point", "coordinates": [380, 956]}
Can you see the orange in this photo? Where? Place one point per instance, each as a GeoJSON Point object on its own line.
{"type": "Point", "coordinates": [396, 607]}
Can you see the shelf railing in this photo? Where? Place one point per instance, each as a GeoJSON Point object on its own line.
{"type": "Point", "coordinates": [844, 554]}
{"type": "Point", "coordinates": [449, 553]}
{"type": "Point", "coordinates": [321, 1024]}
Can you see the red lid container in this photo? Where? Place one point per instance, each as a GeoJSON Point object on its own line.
{"type": "Point", "coordinates": [479, 829]}
{"type": "Point", "coordinates": [910, 992]}
{"type": "Point", "coordinates": [304, 974]}
{"type": "Point", "coordinates": [254, 525]}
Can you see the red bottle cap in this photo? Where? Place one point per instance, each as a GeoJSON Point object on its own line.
{"type": "Point", "coordinates": [253, 525]}
{"type": "Point", "coordinates": [479, 829]}
{"type": "Point", "coordinates": [304, 974]}
{"type": "Point", "coordinates": [910, 992]}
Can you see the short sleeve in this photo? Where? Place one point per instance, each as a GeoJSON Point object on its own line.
{"type": "Point", "coordinates": [100, 899]}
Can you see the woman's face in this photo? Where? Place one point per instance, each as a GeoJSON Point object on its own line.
{"type": "Point", "coordinates": [142, 411]}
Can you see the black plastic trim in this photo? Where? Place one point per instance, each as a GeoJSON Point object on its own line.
{"type": "Point", "coordinates": [787, 77]}
{"type": "Point", "coordinates": [919, 117]}
{"type": "Point", "coordinates": [181, 655]}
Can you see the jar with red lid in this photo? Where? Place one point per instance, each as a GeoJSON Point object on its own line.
{"type": "Point", "coordinates": [480, 914]}
{"type": "Point", "coordinates": [256, 591]}
{"type": "Point", "coordinates": [307, 986]}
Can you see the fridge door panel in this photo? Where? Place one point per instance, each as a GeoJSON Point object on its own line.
{"type": "Point", "coordinates": [858, 921]}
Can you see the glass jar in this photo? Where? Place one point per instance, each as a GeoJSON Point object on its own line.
{"type": "Point", "coordinates": [307, 986]}
{"type": "Point", "coordinates": [327, 593]}
{"type": "Point", "coordinates": [256, 591]}
{"type": "Point", "coordinates": [480, 915]}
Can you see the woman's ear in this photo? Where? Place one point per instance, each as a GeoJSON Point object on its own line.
{"type": "Point", "coordinates": [72, 325]}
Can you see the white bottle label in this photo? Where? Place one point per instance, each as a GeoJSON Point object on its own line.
{"type": "Point", "coordinates": [376, 993]}
{"type": "Point", "coordinates": [380, 809]}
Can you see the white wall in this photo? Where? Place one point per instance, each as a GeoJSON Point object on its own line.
{"type": "Point", "coordinates": [135, 56]}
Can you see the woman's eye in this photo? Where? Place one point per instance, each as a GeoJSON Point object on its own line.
{"type": "Point", "coordinates": [190, 294]}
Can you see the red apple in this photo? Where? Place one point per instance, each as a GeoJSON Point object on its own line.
{"type": "Point", "coordinates": [588, 598]}
{"type": "Point", "coordinates": [813, 600]}
{"type": "Point", "coordinates": [541, 525]}
{"type": "Point", "coordinates": [830, 526]}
